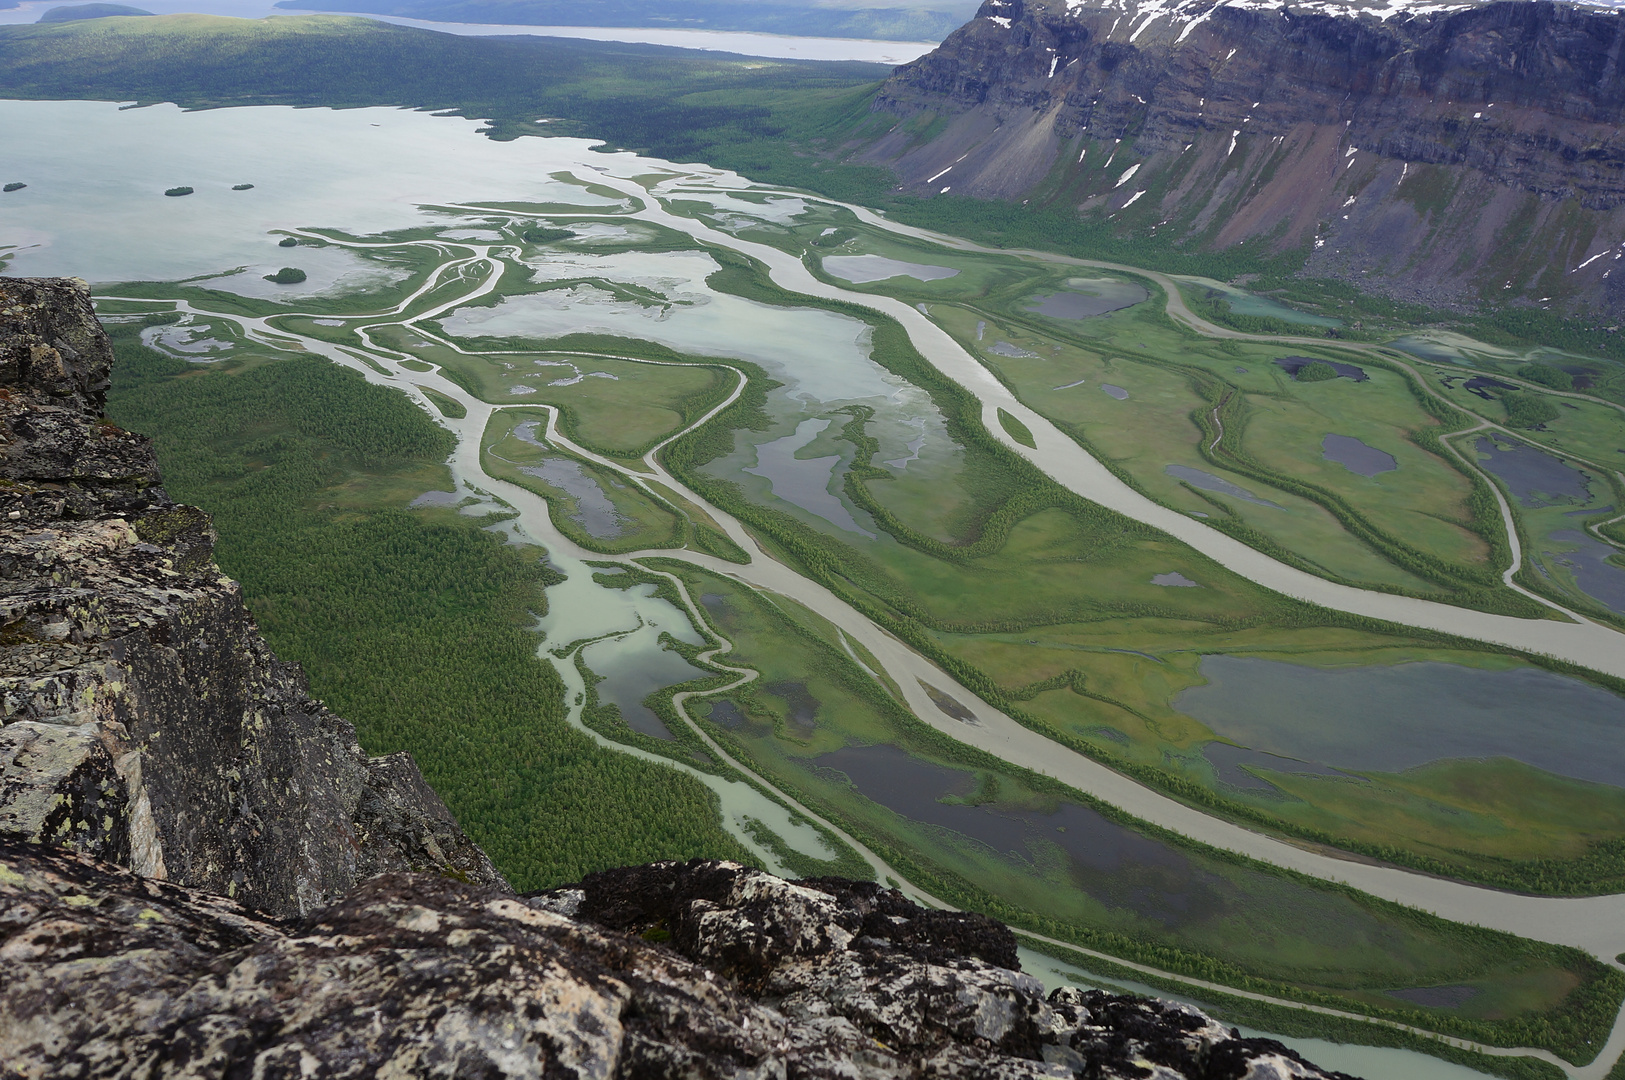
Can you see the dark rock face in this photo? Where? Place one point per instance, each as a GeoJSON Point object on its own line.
{"type": "Point", "coordinates": [109, 974]}
{"type": "Point", "coordinates": [142, 718]}
{"type": "Point", "coordinates": [1441, 155]}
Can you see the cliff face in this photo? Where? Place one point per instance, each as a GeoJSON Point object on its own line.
{"type": "Point", "coordinates": [145, 721]}
{"type": "Point", "coordinates": [1453, 153]}
{"type": "Point", "coordinates": [414, 975]}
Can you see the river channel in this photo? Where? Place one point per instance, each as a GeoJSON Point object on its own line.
{"type": "Point", "coordinates": [368, 171]}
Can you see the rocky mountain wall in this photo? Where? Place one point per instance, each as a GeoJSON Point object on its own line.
{"type": "Point", "coordinates": [145, 721]}
{"type": "Point", "coordinates": [1455, 154]}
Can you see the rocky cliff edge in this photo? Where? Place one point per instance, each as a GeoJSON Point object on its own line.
{"type": "Point", "coordinates": [145, 722]}
{"type": "Point", "coordinates": [697, 970]}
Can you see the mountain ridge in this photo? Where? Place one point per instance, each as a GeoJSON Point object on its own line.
{"type": "Point", "coordinates": [1453, 155]}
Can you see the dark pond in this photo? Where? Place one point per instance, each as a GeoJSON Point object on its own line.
{"type": "Point", "coordinates": [1482, 384]}
{"type": "Point", "coordinates": [1174, 580]}
{"type": "Point", "coordinates": [727, 714]}
{"type": "Point", "coordinates": [632, 668]}
{"type": "Point", "coordinates": [594, 512]}
{"type": "Point", "coordinates": [805, 482]}
{"type": "Point", "coordinates": [1599, 579]}
{"type": "Point", "coordinates": [1293, 364]}
{"type": "Point", "coordinates": [714, 602]}
{"type": "Point", "coordinates": [1115, 391]}
{"type": "Point", "coordinates": [1208, 482]}
{"type": "Point", "coordinates": [437, 498]}
{"type": "Point", "coordinates": [1087, 301]}
{"type": "Point", "coordinates": [1118, 867]}
{"type": "Point", "coordinates": [803, 706]}
{"type": "Point", "coordinates": [1437, 997]}
{"type": "Point", "coordinates": [1227, 762]}
{"type": "Point", "coordinates": [1356, 456]}
{"type": "Point", "coordinates": [1387, 719]}
{"type": "Point", "coordinates": [1535, 478]}
{"type": "Point", "coordinates": [1004, 348]}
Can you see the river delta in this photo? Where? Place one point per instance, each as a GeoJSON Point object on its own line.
{"type": "Point", "coordinates": [977, 665]}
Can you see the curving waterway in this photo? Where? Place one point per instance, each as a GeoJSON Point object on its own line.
{"type": "Point", "coordinates": [581, 617]}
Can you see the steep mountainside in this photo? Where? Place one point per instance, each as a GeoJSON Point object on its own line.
{"type": "Point", "coordinates": [145, 721]}
{"type": "Point", "coordinates": [1452, 153]}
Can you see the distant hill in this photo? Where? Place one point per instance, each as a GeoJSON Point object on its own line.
{"type": "Point", "coordinates": [87, 11]}
{"type": "Point", "coordinates": [1461, 155]}
{"type": "Point", "coordinates": [930, 20]}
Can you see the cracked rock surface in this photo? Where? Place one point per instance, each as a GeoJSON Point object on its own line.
{"type": "Point", "coordinates": [109, 974]}
{"type": "Point", "coordinates": [142, 718]}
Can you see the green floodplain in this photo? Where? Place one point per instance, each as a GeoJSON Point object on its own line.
{"type": "Point", "coordinates": [1080, 623]}
{"type": "Point", "coordinates": [418, 623]}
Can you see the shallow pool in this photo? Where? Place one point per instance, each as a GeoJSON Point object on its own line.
{"type": "Point", "coordinates": [1392, 718]}
{"type": "Point", "coordinates": [1356, 456]}
{"type": "Point", "coordinates": [1084, 298]}
{"type": "Point", "coordinates": [862, 269]}
{"type": "Point", "coordinates": [1196, 478]}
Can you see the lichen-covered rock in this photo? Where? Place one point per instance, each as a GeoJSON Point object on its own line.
{"type": "Point", "coordinates": [142, 718]}
{"type": "Point", "coordinates": [108, 974]}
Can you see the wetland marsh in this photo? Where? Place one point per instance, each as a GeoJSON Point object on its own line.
{"type": "Point", "coordinates": [884, 636]}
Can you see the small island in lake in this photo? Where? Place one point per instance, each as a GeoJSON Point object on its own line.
{"type": "Point", "coordinates": [288, 275]}
{"type": "Point", "coordinates": [14, 186]}
{"type": "Point", "coordinates": [241, 187]}
{"type": "Point", "coordinates": [176, 191]}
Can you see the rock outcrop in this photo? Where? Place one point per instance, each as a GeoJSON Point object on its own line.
{"type": "Point", "coordinates": [1451, 153]}
{"type": "Point", "coordinates": [145, 721]}
{"type": "Point", "coordinates": [109, 974]}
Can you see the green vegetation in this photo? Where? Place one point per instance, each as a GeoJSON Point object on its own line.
{"type": "Point", "coordinates": [1547, 375]}
{"type": "Point", "coordinates": [242, 187]}
{"type": "Point", "coordinates": [1318, 371]}
{"type": "Point", "coordinates": [447, 406]}
{"type": "Point", "coordinates": [177, 191]}
{"type": "Point", "coordinates": [89, 11]}
{"type": "Point", "coordinates": [597, 507]}
{"type": "Point", "coordinates": [1017, 430]}
{"type": "Point", "coordinates": [1526, 409]}
{"type": "Point", "coordinates": [1044, 604]}
{"type": "Point", "coordinates": [619, 407]}
{"type": "Point", "coordinates": [288, 275]}
{"type": "Point", "coordinates": [813, 700]}
{"type": "Point", "coordinates": [541, 235]}
{"type": "Point", "coordinates": [14, 186]}
{"type": "Point", "coordinates": [413, 625]}
{"type": "Point", "coordinates": [1282, 1020]}
{"type": "Point", "coordinates": [288, 241]}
